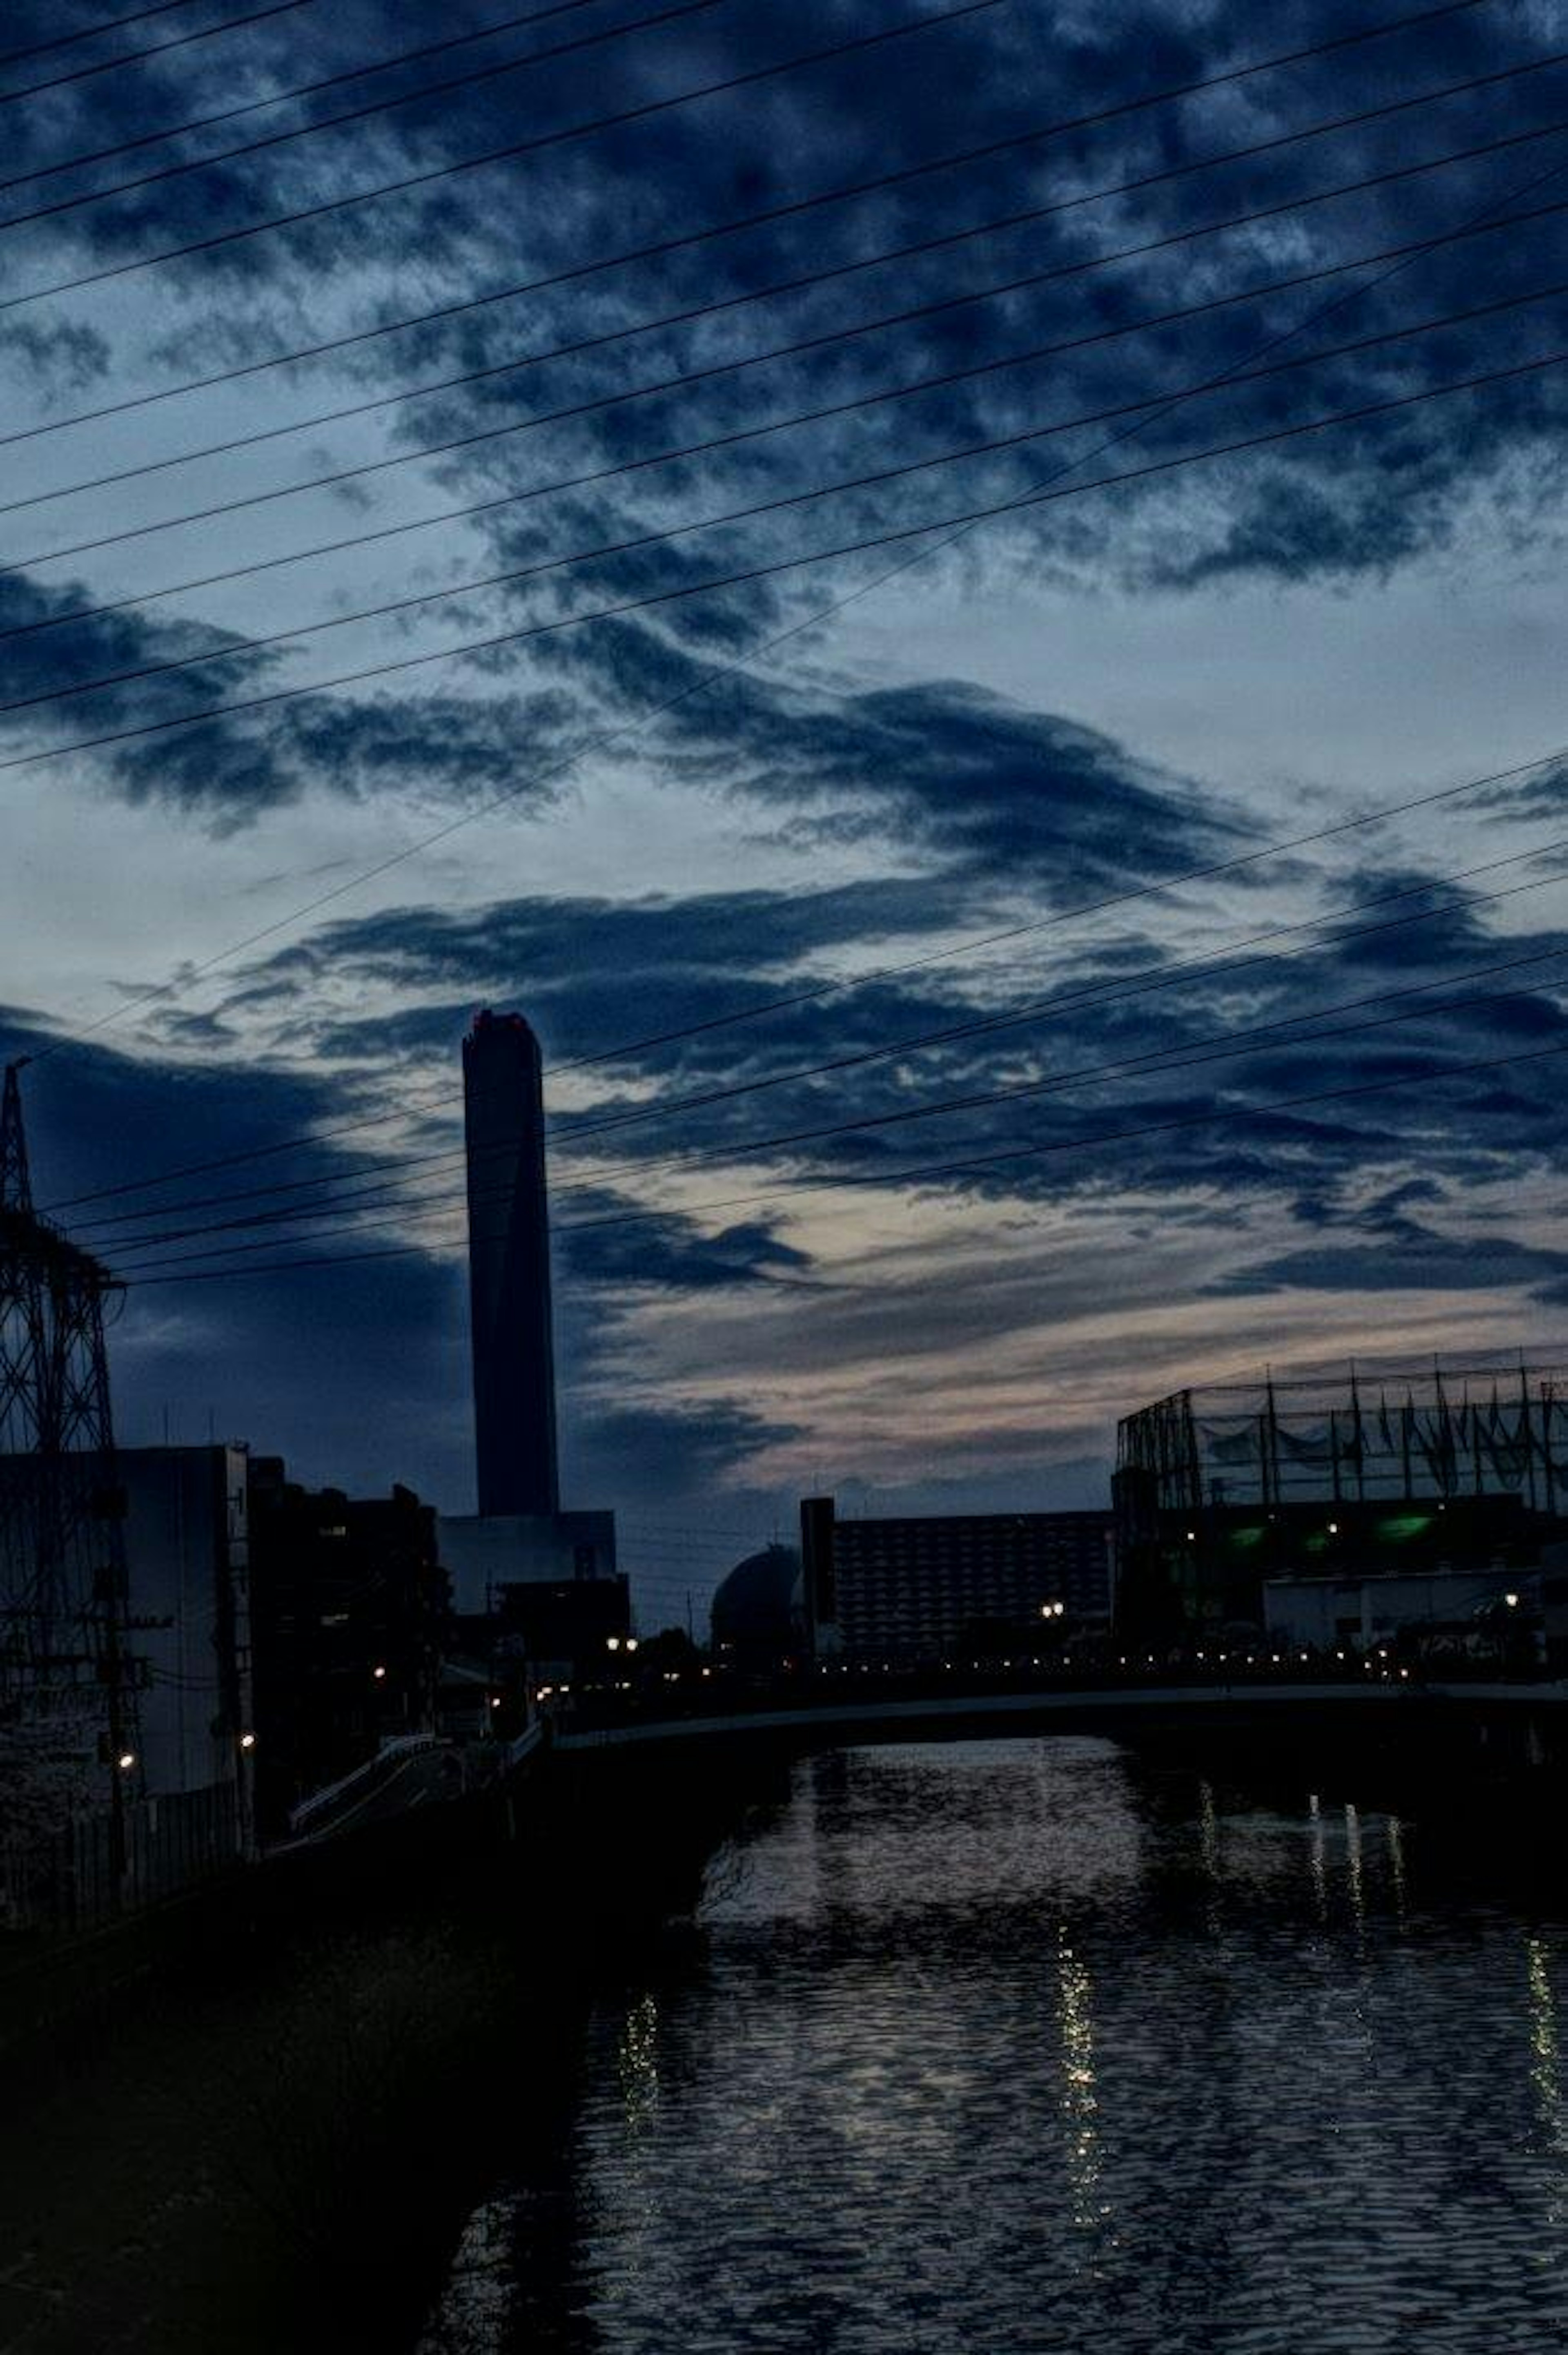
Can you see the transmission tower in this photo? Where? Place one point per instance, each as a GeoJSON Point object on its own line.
{"type": "Point", "coordinates": [68, 1733]}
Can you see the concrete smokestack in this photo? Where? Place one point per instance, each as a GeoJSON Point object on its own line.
{"type": "Point", "coordinates": [509, 1268]}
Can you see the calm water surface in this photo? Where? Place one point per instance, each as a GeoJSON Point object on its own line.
{"type": "Point", "coordinates": [1015, 2046]}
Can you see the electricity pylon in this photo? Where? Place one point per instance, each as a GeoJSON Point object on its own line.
{"type": "Point", "coordinates": [67, 1713]}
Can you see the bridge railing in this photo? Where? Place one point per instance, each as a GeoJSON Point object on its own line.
{"type": "Point", "coordinates": [714, 1690]}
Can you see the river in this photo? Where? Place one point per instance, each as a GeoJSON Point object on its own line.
{"type": "Point", "coordinates": [1030, 2047]}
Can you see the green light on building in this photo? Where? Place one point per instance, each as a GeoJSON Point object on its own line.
{"type": "Point", "coordinates": [1398, 1529]}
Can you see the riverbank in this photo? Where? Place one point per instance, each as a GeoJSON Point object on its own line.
{"type": "Point", "coordinates": [264, 2122]}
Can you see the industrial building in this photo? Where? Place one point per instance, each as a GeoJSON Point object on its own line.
{"type": "Point", "coordinates": [758, 1615]}
{"type": "Point", "coordinates": [1459, 1610]}
{"type": "Point", "coordinates": [550, 1576]}
{"type": "Point", "coordinates": [509, 1269]}
{"type": "Point", "coordinates": [914, 1587]}
{"type": "Point", "coordinates": [542, 1587]}
{"type": "Point", "coordinates": [1347, 1477]}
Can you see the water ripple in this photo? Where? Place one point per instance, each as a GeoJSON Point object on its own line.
{"type": "Point", "coordinates": [996, 2046]}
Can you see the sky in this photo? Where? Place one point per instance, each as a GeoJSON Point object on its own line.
{"type": "Point", "coordinates": [620, 526]}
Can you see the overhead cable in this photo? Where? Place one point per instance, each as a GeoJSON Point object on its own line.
{"type": "Point", "coordinates": [1119, 991]}
{"type": "Point", "coordinates": [790, 209]}
{"type": "Point", "coordinates": [927, 1173]}
{"type": "Point", "coordinates": [157, 49]}
{"type": "Point", "coordinates": [540, 141]}
{"type": "Point", "coordinates": [673, 14]}
{"type": "Point", "coordinates": [241, 649]}
{"type": "Point", "coordinates": [770, 290]}
{"type": "Point", "coordinates": [408, 1208]}
{"type": "Point", "coordinates": [279, 98]}
{"type": "Point", "coordinates": [1365, 411]}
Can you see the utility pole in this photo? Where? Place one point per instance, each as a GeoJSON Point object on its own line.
{"type": "Point", "coordinates": [67, 1706]}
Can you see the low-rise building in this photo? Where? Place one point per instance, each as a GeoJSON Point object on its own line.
{"type": "Point", "coordinates": [350, 1618]}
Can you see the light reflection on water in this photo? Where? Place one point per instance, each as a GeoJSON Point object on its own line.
{"type": "Point", "coordinates": [1010, 2046]}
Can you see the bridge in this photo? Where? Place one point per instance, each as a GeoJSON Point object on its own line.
{"type": "Point", "coordinates": [1102, 1708]}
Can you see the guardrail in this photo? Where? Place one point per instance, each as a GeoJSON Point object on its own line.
{"type": "Point", "coordinates": [359, 1779]}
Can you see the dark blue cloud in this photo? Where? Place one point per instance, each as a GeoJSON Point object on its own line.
{"type": "Point", "coordinates": [1361, 502]}
{"type": "Point", "coordinates": [1417, 1261]}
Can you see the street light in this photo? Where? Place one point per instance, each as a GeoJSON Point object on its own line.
{"type": "Point", "coordinates": [613, 1642]}
{"type": "Point", "coordinates": [379, 1673]}
{"type": "Point", "coordinates": [248, 1741]}
{"type": "Point", "coordinates": [126, 1760]}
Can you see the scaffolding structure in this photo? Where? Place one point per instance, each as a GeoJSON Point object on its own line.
{"type": "Point", "coordinates": [1354, 1437]}
{"type": "Point", "coordinates": [67, 1705]}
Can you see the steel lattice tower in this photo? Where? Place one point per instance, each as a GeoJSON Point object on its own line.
{"type": "Point", "coordinates": [66, 1696]}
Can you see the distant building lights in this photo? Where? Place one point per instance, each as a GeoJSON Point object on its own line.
{"type": "Point", "coordinates": [613, 1642]}
{"type": "Point", "coordinates": [1511, 1601]}
{"type": "Point", "coordinates": [495, 1700]}
{"type": "Point", "coordinates": [126, 1760]}
{"type": "Point", "coordinates": [1192, 1536]}
{"type": "Point", "coordinates": [1333, 1528]}
{"type": "Point", "coordinates": [632, 1643]}
{"type": "Point", "coordinates": [379, 1673]}
{"type": "Point", "coordinates": [545, 1690]}
{"type": "Point", "coordinates": [248, 1741]}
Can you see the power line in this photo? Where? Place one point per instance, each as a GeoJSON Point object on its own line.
{"type": "Point", "coordinates": [927, 546]}
{"type": "Point", "coordinates": [1116, 993]}
{"type": "Point", "coordinates": [88, 32]}
{"type": "Point", "coordinates": [1206, 873]}
{"type": "Point", "coordinates": [535, 144]}
{"type": "Point", "coordinates": [770, 570]}
{"type": "Point", "coordinates": [901, 390]}
{"type": "Point", "coordinates": [671, 15]}
{"type": "Point", "coordinates": [930, 548]}
{"type": "Point", "coordinates": [789, 209]}
{"type": "Point", "coordinates": [279, 98]}
{"type": "Point", "coordinates": [157, 49]}
{"type": "Point", "coordinates": [923, 1173]}
{"type": "Point", "coordinates": [800, 283]}
{"type": "Point", "coordinates": [1153, 1062]}
{"type": "Point", "coordinates": [340, 1184]}
{"type": "Point", "coordinates": [243, 648]}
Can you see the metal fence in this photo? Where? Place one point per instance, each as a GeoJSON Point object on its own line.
{"type": "Point", "coordinates": [71, 1879]}
{"type": "Point", "coordinates": [1443, 1432]}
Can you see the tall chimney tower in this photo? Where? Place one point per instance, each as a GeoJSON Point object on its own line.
{"type": "Point", "coordinates": [509, 1268]}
